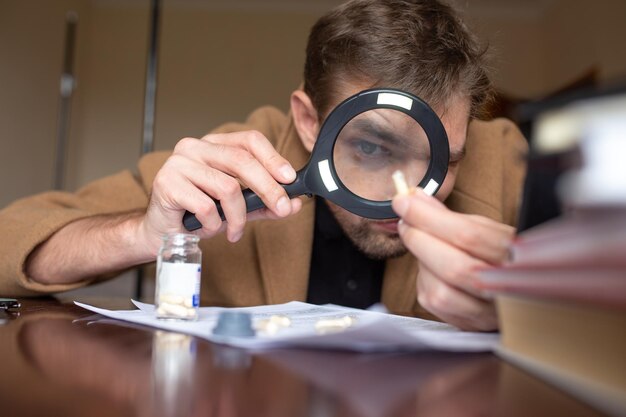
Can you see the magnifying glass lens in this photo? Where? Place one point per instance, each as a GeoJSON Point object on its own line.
{"type": "Point", "coordinates": [373, 145]}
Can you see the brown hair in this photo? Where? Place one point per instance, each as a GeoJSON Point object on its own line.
{"type": "Point", "coordinates": [420, 46]}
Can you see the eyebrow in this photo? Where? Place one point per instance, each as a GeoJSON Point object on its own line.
{"type": "Point", "coordinates": [373, 128]}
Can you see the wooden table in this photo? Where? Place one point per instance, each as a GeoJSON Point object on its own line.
{"type": "Point", "coordinates": [60, 360]}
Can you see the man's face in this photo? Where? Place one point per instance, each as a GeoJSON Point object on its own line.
{"type": "Point", "coordinates": [379, 238]}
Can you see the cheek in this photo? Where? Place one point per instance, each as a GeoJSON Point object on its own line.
{"type": "Point", "coordinates": [448, 184]}
{"type": "Point", "coordinates": [344, 217]}
{"type": "Point", "coordinates": [347, 219]}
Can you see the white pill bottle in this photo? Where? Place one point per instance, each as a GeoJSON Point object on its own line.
{"type": "Point", "coordinates": [178, 277]}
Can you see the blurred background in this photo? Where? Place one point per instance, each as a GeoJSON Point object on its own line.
{"type": "Point", "coordinates": [220, 59]}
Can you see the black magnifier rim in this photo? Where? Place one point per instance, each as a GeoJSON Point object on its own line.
{"type": "Point", "coordinates": [361, 102]}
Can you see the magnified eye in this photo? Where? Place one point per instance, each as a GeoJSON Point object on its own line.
{"type": "Point", "coordinates": [371, 149]}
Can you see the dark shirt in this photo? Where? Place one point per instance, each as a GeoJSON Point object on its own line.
{"type": "Point", "coordinates": [340, 273]}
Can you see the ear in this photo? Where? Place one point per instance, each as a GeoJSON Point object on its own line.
{"type": "Point", "coordinates": [305, 118]}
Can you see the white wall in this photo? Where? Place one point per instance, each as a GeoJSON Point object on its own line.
{"type": "Point", "coordinates": [107, 115]}
{"type": "Point", "coordinates": [31, 45]}
{"type": "Point", "coordinates": [219, 64]}
{"type": "Point", "coordinates": [539, 46]}
{"type": "Point", "coordinates": [221, 59]}
{"type": "Point", "coordinates": [581, 34]}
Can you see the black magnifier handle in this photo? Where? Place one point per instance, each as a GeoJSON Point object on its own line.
{"type": "Point", "coordinates": [253, 202]}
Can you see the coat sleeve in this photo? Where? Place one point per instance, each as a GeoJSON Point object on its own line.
{"type": "Point", "coordinates": [491, 177]}
{"type": "Point", "coordinates": [28, 222]}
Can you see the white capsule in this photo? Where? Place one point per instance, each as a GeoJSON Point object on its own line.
{"type": "Point", "coordinates": [400, 182]}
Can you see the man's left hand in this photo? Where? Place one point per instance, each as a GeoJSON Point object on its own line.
{"type": "Point", "coordinates": [451, 248]}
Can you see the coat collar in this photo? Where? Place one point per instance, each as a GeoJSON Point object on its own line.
{"type": "Point", "coordinates": [284, 247]}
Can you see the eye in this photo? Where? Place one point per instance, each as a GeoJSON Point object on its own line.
{"type": "Point", "coordinates": [367, 148]}
{"type": "Point", "coordinates": [370, 149]}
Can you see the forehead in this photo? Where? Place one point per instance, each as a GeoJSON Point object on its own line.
{"type": "Point", "coordinates": [455, 119]}
{"type": "Point", "coordinates": [385, 119]}
{"type": "Point", "coordinates": [395, 130]}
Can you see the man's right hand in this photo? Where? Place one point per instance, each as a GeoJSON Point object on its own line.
{"type": "Point", "coordinates": [201, 171]}
{"type": "Point", "coordinates": [198, 172]}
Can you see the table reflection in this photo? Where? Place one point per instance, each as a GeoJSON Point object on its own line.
{"type": "Point", "coordinates": [60, 360]}
{"type": "Point", "coordinates": [392, 384]}
{"type": "Point", "coordinates": [155, 373]}
{"type": "Point", "coordinates": [173, 369]}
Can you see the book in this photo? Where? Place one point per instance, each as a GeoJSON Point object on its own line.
{"type": "Point", "coordinates": [561, 299]}
{"type": "Point", "coordinates": [562, 305]}
{"type": "Point", "coordinates": [575, 346]}
{"type": "Point", "coordinates": [582, 238]}
{"type": "Point", "coordinates": [602, 286]}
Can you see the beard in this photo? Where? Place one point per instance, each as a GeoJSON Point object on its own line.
{"type": "Point", "coordinates": [373, 243]}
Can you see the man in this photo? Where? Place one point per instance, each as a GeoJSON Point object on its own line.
{"type": "Point", "coordinates": [317, 251]}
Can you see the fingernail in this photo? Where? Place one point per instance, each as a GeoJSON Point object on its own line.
{"type": "Point", "coordinates": [288, 173]}
{"type": "Point", "coordinates": [401, 226]}
{"type": "Point", "coordinates": [283, 206]}
{"type": "Point", "coordinates": [401, 205]}
{"type": "Point", "coordinates": [237, 236]}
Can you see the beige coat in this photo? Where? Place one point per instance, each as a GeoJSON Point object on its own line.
{"type": "Point", "coordinates": [271, 262]}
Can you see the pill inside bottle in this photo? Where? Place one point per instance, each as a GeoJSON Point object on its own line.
{"type": "Point", "coordinates": [178, 277]}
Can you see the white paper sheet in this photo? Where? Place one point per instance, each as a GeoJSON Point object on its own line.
{"type": "Point", "coordinates": [371, 331]}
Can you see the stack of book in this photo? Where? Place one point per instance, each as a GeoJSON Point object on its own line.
{"type": "Point", "coordinates": [562, 299]}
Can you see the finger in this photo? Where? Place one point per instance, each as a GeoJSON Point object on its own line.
{"type": "Point", "coordinates": [239, 163]}
{"type": "Point", "coordinates": [452, 265]}
{"type": "Point", "coordinates": [261, 148]}
{"type": "Point", "coordinates": [265, 213]}
{"type": "Point", "coordinates": [453, 305]}
{"type": "Point", "coordinates": [206, 232]}
{"type": "Point", "coordinates": [504, 228]}
{"type": "Point", "coordinates": [221, 187]}
{"type": "Point", "coordinates": [480, 237]}
{"type": "Point", "coordinates": [172, 194]}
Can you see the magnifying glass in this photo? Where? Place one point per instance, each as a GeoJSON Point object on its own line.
{"type": "Point", "coordinates": [363, 141]}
